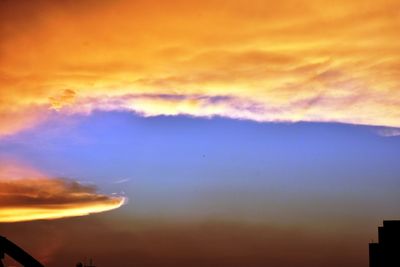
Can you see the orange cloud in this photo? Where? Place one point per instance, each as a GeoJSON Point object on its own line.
{"type": "Point", "coordinates": [290, 60]}
{"type": "Point", "coordinates": [27, 195]}
{"type": "Point", "coordinates": [66, 98]}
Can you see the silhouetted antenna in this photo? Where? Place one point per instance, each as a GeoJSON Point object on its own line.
{"type": "Point", "coordinates": [80, 264]}
{"type": "Point", "coordinates": [90, 263]}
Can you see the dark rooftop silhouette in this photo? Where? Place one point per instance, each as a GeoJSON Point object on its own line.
{"type": "Point", "coordinates": [386, 252]}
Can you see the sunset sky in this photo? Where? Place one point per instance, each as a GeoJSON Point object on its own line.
{"type": "Point", "coordinates": [205, 133]}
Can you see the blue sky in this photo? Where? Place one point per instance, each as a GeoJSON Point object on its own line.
{"type": "Point", "coordinates": [183, 167]}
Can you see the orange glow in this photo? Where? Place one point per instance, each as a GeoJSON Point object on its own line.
{"type": "Point", "coordinates": [287, 60]}
{"type": "Point", "coordinates": [27, 197]}
{"type": "Point", "coordinates": [57, 211]}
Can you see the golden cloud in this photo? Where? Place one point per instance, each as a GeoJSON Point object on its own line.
{"type": "Point", "coordinates": [289, 60]}
{"type": "Point", "coordinates": [27, 195]}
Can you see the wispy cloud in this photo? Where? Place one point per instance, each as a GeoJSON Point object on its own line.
{"type": "Point", "coordinates": [389, 132]}
{"type": "Point", "coordinates": [122, 181]}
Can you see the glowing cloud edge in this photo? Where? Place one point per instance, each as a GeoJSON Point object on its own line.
{"type": "Point", "coordinates": [23, 214]}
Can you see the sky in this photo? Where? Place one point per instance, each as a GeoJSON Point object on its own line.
{"type": "Point", "coordinates": [199, 133]}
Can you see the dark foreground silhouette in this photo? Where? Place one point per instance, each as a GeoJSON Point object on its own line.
{"type": "Point", "coordinates": [386, 253]}
{"type": "Point", "coordinates": [18, 254]}
{"type": "Point", "coordinates": [21, 256]}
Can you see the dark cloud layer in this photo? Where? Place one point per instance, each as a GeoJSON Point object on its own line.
{"type": "Point", "coordinates": [172, 244]}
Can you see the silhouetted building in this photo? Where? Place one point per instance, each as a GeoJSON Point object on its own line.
{"type": "Point", "coordinates": [386, 253]}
